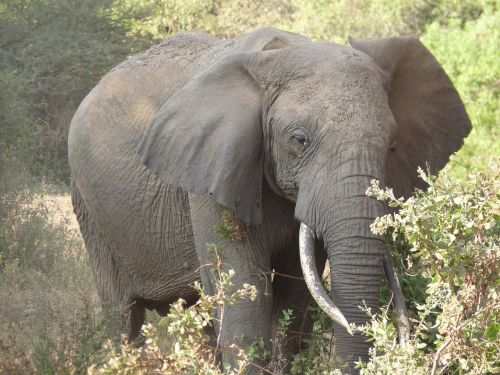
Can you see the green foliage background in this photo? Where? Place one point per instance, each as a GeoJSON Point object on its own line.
{"type": "Point", "coordinates": [52, 52]}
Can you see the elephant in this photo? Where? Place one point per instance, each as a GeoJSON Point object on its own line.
{"type": "Point", "coordinates": [282, 132]}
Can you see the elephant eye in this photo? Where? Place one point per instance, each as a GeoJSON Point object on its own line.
{"type": "Point", "coordinates": [300, 138]}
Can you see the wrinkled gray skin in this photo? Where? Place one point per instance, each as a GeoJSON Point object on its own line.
{"type": "Point", "coordinates": [279, 130]}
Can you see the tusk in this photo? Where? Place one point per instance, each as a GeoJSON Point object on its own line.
{"type": "Point", "coordinates": [398, 301]}
{"type": "Point", "coordinates": [313, 282]}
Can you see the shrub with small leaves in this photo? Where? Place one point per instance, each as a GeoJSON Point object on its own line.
{"type": "Point", "coordinates": [453, 232]}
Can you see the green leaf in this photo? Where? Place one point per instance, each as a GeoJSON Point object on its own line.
{"type": "Point", "coordinates": [164, 321]}
{"type": "Point", "coordinates": [492, 332]}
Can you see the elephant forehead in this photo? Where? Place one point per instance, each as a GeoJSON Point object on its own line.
{"type": "Point", "coordinates": [327, 96]}
{"type": "Point", "coordinates": [325, 58]}
{"type": "Point", "coordinates": [337, 110]}
{"type": "Point", "coordinates": [337, 81]}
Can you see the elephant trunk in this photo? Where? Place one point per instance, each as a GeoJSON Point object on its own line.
{"type": "Point", "coordinates": [318, 292]}
{"type": "Point", "coordinates": [355, 254]}
{"type": "Point", "coordinates": [356, 266]}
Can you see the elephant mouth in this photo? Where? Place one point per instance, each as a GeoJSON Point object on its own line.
{"type": "Point", "coordinates": [320, 295]}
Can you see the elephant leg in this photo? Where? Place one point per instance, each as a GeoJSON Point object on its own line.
{"type": "Point", "coordinates": [136, 317]}
{"type": "Point", "coordinates": [244, 322]}
{"type": "Point", "coordinates": [290, 293]}
{"type": "Point", "coordinates": [106, 275]}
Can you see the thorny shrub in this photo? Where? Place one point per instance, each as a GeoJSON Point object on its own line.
{"type": "Point", "coordinates": [452, 230]}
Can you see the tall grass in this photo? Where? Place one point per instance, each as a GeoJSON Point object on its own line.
{"type": "Point", "coordinates": [50, 322]}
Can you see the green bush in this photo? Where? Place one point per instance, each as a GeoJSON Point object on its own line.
{"type": "Point", "coordinates": [54, 52]}
{"type": "Point", "coordinates": [224, 18]}
{"type": "Point", "coordinates": [468, 52]}
{"type": "Point", "coordinates": [319, 20]}
{"type": "Point", "coordinates": [453, 231]}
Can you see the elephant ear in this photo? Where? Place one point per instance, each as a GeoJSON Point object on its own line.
{"type": "Point", "coordinates": [207, 138]}
{"type": "Point", "coordinates": [432, 121]}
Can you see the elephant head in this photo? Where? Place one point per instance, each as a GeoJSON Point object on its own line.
{"type": "Point", "coordinates": [316, 122]}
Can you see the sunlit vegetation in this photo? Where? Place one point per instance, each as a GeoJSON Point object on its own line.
{"type": "Point", "coordinates": [52, 52]}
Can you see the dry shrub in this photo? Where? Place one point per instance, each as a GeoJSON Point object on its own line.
{"type": "Point", "coordinates": [50, 320]}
